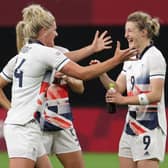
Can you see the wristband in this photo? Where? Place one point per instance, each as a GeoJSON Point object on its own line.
{"type": "Point", "coordinates": [143, 99]}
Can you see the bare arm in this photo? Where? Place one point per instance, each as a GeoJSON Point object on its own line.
{"type": "Point", "coordinates": [104, 78]}
{"type": "Point", "coordinates": [3, 99]}
{"type": "Point", "coordinates": [120, 83]}
{"type": "Point", "coordinates": [88, 72]}
{"type": "Point", "coordinates": [156, 85]}
{"type": "Point", "coordinates": [75, 84]}
{"type": "Point", "coordinates": [99, 43]}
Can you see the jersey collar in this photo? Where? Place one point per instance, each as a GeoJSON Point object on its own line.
{"type": "Point", "coordinates": [145, 49]}
{"type": "Point", "coordinates": [35, 41]}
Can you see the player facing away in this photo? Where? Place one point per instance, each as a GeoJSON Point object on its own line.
{"type": "Point", "coordinates": [55, 116]}
{"type": "Point", "coordinates": [142, 144]}
{"type": "Point", "coordinates": [27, 70]}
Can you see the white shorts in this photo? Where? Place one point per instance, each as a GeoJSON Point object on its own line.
{"type": "Point", "coordinates": [24, 141]}
{"type": "Point", "coordinates": [149, 145]}
{"type": "Point", "coordinates": [63, 141]}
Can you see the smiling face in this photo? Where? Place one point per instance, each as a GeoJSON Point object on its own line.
{"type": "Point", "coordinates": [133, 35]}
{"type": "Point", "coordinates": [136, 38]}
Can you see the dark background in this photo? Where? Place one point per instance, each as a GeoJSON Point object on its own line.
{"type": "Point", "coordinates": [74, 37]}
{"type": "Point", "coordinates": [77, 22]}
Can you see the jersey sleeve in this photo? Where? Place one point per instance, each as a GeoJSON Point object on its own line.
{"type": "Point", "coordinates": [7, 72]}
{"type": "Point", "coordinates": [157, 65]}
{"type": "Point", "coordinates": [125, 67]}
{"type": "Point", "coordinates": [55, 59]}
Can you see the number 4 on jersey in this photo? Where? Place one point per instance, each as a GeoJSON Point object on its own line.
{"type": "Point", "coordinates": [19, 73]}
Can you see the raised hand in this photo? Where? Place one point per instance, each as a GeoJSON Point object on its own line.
{"type": "Point", "coordinates": [126, 54]}
{"type": "Point", "coordinates": [101, 41]}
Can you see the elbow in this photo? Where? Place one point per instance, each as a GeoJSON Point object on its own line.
{"type": "Point", "coordinates": [84, 75]}
{"type": "Point", "coordinates": [158, 98]}
{"type": "Point", "coordinates": [155, 98]}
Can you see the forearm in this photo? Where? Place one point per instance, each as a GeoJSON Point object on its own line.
{"type": "Point", "coordinates": [5, 103]}
{"type": "Point", "coordinates": [135, 100]}
{"type": "Point", "coordinates": [105, 80]}
{"type": "Point", "coordinates": [80, 54]}
{"type": "Point", "coordinates": [153, 96]}
{"type": "Point", "coordinates": [129, 100]}
{"type": "Point", "coordinates": [89, 72]}
{"type": "Point", "coordinates": [76, 85]}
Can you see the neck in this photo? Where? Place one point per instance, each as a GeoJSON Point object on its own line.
{"type": "Point", "coordinates": [144, 45]}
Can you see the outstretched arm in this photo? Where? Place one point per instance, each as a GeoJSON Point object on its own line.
{"type": "Point", "coordinates": [88, 72]}
{"type": "Point", "coordinates": [99, 43]}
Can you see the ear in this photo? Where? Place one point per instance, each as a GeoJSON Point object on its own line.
{"type": "Point", "coordinates": [144, 33]}
{"type": "Point", "coordinates": [42, 34]}
{"type": "Point", "coordinates": [42, 31]}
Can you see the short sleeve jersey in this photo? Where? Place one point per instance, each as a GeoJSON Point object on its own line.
{"type": "Point", "coordinates": [151, 65]}
{"type": "Point", "coordinates": [27, 70]}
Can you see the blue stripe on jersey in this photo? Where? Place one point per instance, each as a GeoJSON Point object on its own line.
{"type": "Point", "coordinates": [61, 63]}
{"type": "Point", "coordinates": [50, 127]}
{"type": "Point", "coordinates": [68, 116]}
{"type": "Point", "coordinates": [6, 76]}
{"type": "Point", "coordinates": [132, 114]}
{"type": "Point", "coordinates": [128, 130]}
{"type": "Point", "coordinates": [53, 108]}
{"type": "Point", "coordinates": [151, 123]}
{"type": "Point", "coordinates": [142, 80]}
{"type": "Point", "coordinates": [158, 75]}
{"type": "Point", "coordinates": [46, 126]}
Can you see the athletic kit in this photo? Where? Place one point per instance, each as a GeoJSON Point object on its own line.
{"type": "Point", "coordinates": [55, 116]}
{"type": "Point", "coordinates": [27, 70]}
{"type": "Point", "coordinates": [54, 112]}
{"type": "Point", "coordinates": [145, 127]}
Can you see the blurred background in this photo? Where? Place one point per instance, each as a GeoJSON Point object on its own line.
{"type": "Point", "coordinates": [77, 22]}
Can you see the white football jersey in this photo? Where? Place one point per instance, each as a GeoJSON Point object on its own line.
{"type": "Point", "coordinates": [138, 75]}
{"type": "Point", "coordinates": [61, 49]}
{"type": "Point", "coordinates": [27, 70]}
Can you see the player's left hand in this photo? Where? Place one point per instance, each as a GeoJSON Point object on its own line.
{"type": "Point", "coordinates": [101, 41]}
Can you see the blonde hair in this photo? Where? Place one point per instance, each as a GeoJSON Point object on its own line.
{"type": "Point", "coordinates": [145, 21]}
{"type": "Point", "coordinates": [20, 37]}
{"type": "Point", "coordinates": [35, 17]}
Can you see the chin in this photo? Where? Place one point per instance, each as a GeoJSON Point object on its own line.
{"type": "Point", "coordinates": [132, 46]}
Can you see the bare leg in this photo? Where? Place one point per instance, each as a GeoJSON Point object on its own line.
{"type": "Point", "coordinates": [21, 162]}
{"type": "Point", "coordinates": [72, 159]}
{"type": "Point", "coordinates": [127, 163]}
{"type": "Point", "coordinates": [154, 163]}
{"type": "Point", "coordinates": [43, 162]}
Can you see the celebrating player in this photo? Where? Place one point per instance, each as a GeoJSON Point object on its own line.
{"type": "Point", "coordinates": [27, 70]}
{"type": "Point", "coordinates": [142, 144]}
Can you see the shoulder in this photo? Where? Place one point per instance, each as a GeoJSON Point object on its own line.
{"type": "Point", "coordinates": [43, 51]}
{"type": "Point", "coordinates": [155, 55]}
{"type": "Point", "coordinates": [154, 52]}
{"type": "Point", "coordinates": [12, 62]}
{"type": "Point", "coordinates": [127, 65]}
{"type": "Point", "coordinates": [62, 49]}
